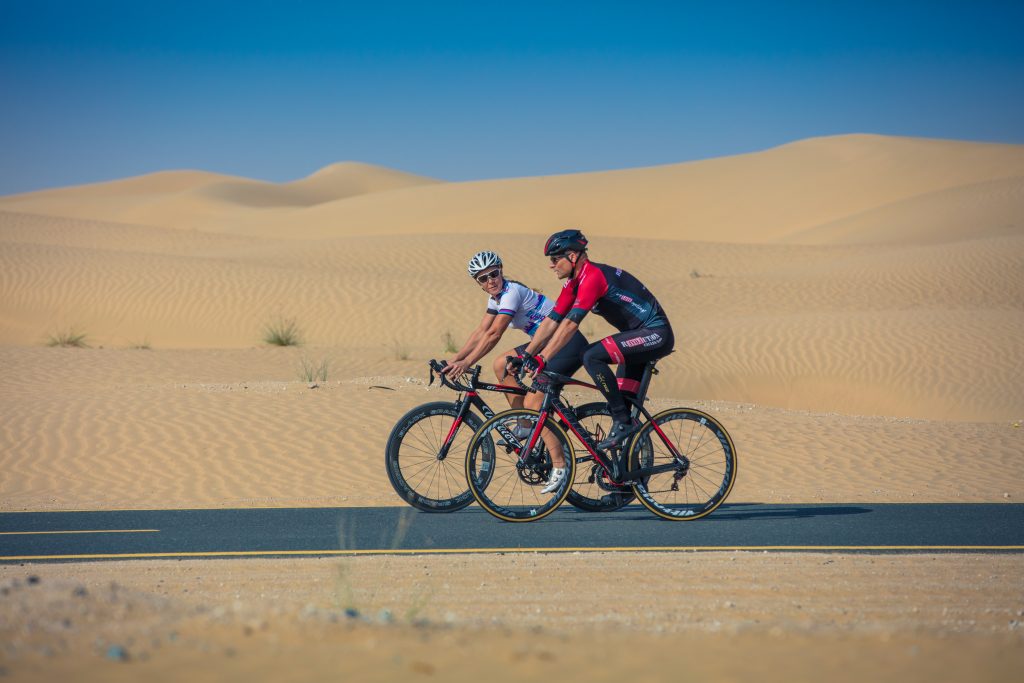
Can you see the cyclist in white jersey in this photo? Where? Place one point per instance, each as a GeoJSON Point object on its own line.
{"type": "Point", "coordinates": [509, 303]}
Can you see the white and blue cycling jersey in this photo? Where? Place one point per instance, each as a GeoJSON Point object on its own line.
{"type": "Point", "coordinates": [527, 307]}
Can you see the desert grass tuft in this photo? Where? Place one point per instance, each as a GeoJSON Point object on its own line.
{"type": "Point", "coordinates": [313, 371]}
{"type": "Point", "coordinates": [449, 342]}
{"type": "Point", "coordinates": [400, 350]}
{"type": "Point", "coordinates": [68, 338]}
{"type": "Point", "coordinates": [282, 332]}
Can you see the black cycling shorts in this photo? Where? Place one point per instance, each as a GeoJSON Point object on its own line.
{"type": "Point", "coordinates": [631, 350]}
{"type": "Point", "coordinates": [569, 358]}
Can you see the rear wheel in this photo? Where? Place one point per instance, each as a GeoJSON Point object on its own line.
{"type": "Point", "coordinates": [506, 480]}
{"type": "Point", "coordinates": [419, 473]}
{"type": "Point", "coordinates": [695, 459]}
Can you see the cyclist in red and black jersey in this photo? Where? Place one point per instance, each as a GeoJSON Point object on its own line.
{"type": "Point", "coordinates": [644, 330]}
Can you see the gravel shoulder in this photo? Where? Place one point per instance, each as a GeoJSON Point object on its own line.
{"type": "Point", "coordinates": [719, 616]}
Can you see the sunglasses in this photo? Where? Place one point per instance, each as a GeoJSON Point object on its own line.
{"type": "Point", "coordinates": [493, 275]}
{"type": "Point", "coordinates": [557, 257]}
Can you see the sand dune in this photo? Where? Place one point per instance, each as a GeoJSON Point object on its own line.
{"type": "Point", "coordinates": [195, 199]}
{"type": "Point", "coordinates": [778, 194]}
{"type": "Point", "coordinates": [754, 198]}
{"type": "Point", "coordinates": [808, 285]}
{"type": "Point", "coordinates": [986, 209]}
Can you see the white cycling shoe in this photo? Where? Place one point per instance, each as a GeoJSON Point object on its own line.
{"type": "Point", "coordinates": [558, 475]}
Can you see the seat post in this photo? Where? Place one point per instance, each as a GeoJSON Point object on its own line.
{"type": "Point", "coordinates": [645, 381]}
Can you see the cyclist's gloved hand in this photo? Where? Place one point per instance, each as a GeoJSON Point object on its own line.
{"type": "Point", "coordinates": [534, 364]}
{"type": "Point", "coordinates": [514, 363]}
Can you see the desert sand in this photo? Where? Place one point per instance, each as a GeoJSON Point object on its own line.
{"type": "Point", "coordinates": [852, 309]}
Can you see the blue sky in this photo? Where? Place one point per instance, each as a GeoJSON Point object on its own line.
{"type": "Point", "coordinates": [469, 90]}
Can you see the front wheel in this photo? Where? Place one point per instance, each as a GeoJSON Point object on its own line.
{"type": "Point", "coordinates": [425, 457]}
{"type": "Point", "coordinates": [506, 479]}
{"type": "Point", "coordinates": [690, 467]}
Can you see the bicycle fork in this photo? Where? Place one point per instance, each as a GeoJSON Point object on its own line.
{"type": "Point", "coordinates": [463, 403]}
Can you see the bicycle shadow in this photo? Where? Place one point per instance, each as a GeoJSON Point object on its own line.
{"type": "Point", "coordinates": [728, 512]}
{"type": "Point", "coordinates": [743, 511]}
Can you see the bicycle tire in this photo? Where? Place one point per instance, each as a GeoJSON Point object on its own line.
{"type": "Point", "coordinates": [591, 491]}
{"type": "Point", "coordinates": [497, 480]}
{"type": "Point", "coordinates": [707, 473]}
{"type": "Point", "coordinates": [410, 457]}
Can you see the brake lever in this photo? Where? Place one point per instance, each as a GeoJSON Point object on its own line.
{"type": "Point", "coordinates": [515, 376]}
{"type": "Point", "coordinates": [438, 367]}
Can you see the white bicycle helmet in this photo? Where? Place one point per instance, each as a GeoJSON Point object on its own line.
{"type": "Point", "coordinates": [482, 261]}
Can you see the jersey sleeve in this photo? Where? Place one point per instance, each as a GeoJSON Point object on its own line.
{"type": "Point", "coordinates": [590, 290]}
{"type": "Point", "coordinates": [563, 303]}
{"type": "Point", "coordinates": [492, 306]}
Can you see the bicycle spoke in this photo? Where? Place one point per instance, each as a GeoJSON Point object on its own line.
{"type": "Point", "coordinates": [416, 475]}
{"type": "Point", "coordinates": [427, 473]}
{"type": "Point", "coordinates": [504, 483]}
{"type": "Point", "coordinates": [423, 442]}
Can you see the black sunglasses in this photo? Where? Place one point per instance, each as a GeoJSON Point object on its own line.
{"type": "Point", "coordinates": [493, 275]}
{"type": "Point", "coordinates": [555, 258]}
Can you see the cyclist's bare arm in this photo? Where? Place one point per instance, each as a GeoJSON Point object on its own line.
{"type": "Point", "coordinates": [544, 331]}
{"type": "Point", "coordinates": [490, 338]}
{"type": "Point", "coordinates": [566, 329]}
{"type": "Point", "coordinates": [474, 339]}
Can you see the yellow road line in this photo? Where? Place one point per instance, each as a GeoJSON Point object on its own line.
{"type": "Point", "coordinates": [477, 551]}
{"type": "Point", "coordinates": [83, 531]}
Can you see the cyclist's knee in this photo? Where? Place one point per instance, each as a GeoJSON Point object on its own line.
{"type": "Point", "coordinates": [499, 365]}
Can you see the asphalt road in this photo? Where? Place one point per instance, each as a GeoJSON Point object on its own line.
{"type": "Point", "coordinates": [55, 536]}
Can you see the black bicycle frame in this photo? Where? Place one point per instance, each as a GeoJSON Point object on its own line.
{"type": "Point", "coordinates": [471, 398]}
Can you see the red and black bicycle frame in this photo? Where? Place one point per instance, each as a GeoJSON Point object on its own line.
{"type": "Point", "coordinates": [552, 384]}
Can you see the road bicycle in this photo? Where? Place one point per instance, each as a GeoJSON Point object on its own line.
{"type": "Point", "coordinates": [425, 452]}
{"type": "Point", "coordinates": [680, 463]}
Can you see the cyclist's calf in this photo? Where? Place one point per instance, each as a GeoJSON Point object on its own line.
{"type": "Point", "coordinates": [596, 361]}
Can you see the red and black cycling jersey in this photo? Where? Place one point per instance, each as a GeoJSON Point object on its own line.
{"type": "Point", "coordinates": [613, 294]}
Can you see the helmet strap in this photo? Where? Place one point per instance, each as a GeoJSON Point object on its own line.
{"type": "Point", "coordinates": [575, 264]}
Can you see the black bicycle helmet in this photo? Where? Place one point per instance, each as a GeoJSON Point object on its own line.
{"type": "Point", "coordinates": [563, 241]}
